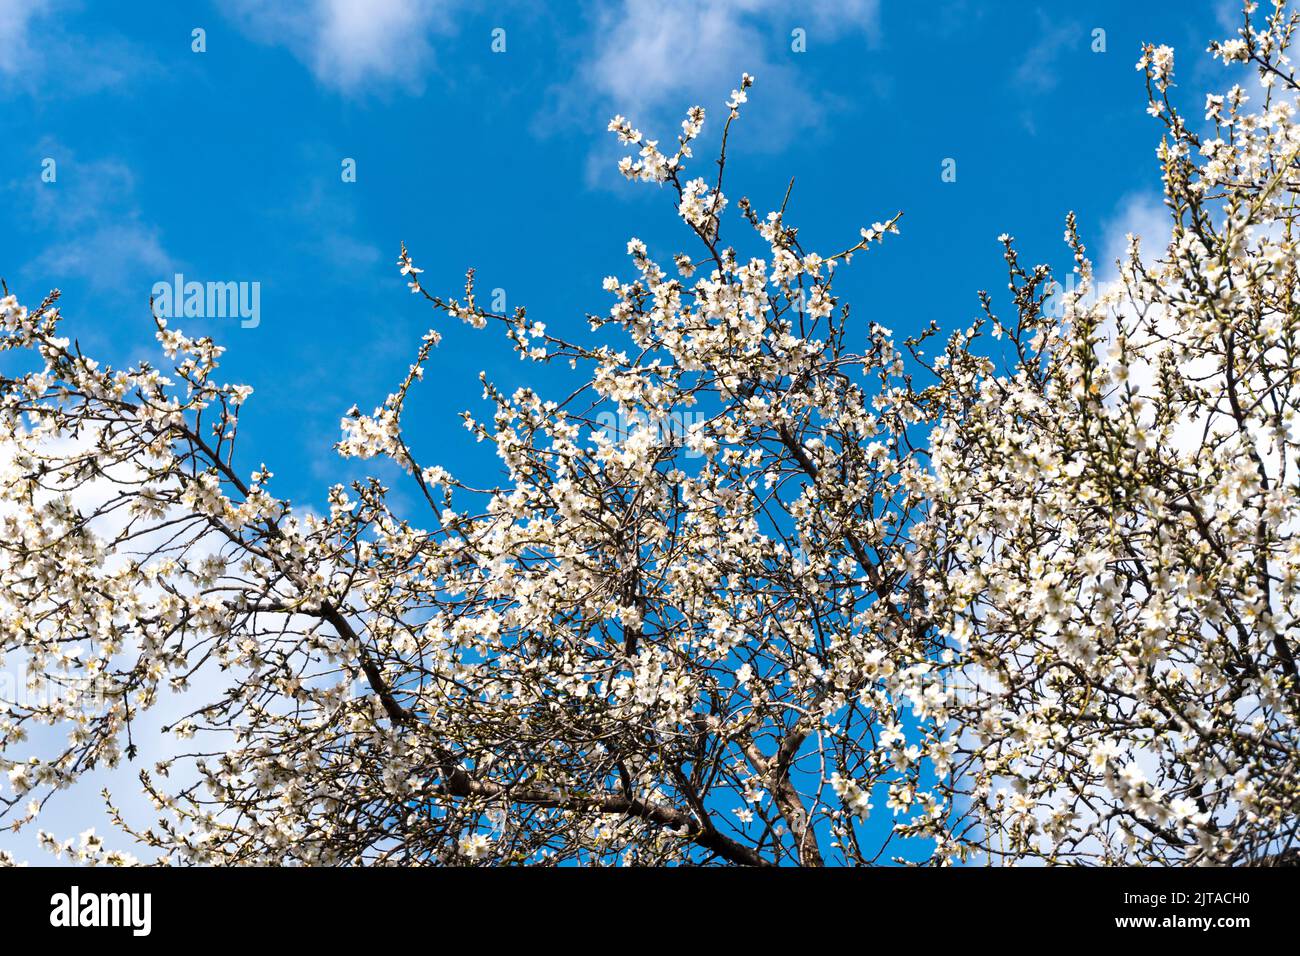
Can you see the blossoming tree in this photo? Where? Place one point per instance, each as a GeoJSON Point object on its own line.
{"type": "Point", "coordinates": [1033, 596]}
{"type": "Point", "coordinates": [636, 649]}
{"type": "Point", "coordinates": [1118, 513]}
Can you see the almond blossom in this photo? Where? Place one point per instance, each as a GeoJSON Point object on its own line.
{"type": "Point", "coordinates": [1032, 589]}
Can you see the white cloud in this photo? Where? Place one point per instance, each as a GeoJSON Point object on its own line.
{"type": "Point", "coordinates": [649, 59]}
{"type": "Point", "coordinates": [652, 59]}
{"type": "Point", "coordinates": [1140, 214]}
{"type": "Point", "coordinates": [1227, 14]}
{"type": "Point", "coordinates": [350, 44]}
{"type": "Point", "coordinates": [108, 255]}
{"type": "Point", "coordinates": [41, 54]}
{"type": "Point", "coordinates": [16, 18]}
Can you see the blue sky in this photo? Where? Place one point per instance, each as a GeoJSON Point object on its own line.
{"type": "Point", "coordinates": [225, 165]}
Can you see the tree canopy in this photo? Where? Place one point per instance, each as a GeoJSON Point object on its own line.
{"type": "Point", "coordinates": [1026, 591]}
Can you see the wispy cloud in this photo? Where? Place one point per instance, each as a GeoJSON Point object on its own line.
{"type": "Point", "coordinates": [655, 53]}
{"type": "Point", "coordinates": [330, 223]}
{"type": "Point", "coordinates": [103, 237]}
{"type": "Point", "coordinates": [16, 18]}
{"type": "Point", "coordinates": [1227, 14]}
{"type": "Point", "coordinates": [351, 45]}
{"type": "Point", "coordinates": [651, 59]}
{"type": "Point", "coordinates": [42, 56]}
{"type": "Point", "coordinates": [1038, 70]}
{"type": "Point", "coordinates": [1139, 214]}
